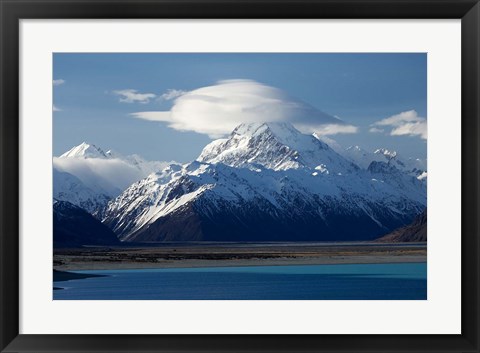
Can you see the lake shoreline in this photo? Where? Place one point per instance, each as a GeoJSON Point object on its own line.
{"type": "Point", "coordinates": [235, 255]}
{"type": "Point", "coordinates": [393, 281]}
{"type": "Point", "coordinates": [65, 276]}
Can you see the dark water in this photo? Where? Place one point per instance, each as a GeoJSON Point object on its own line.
{"type": "Point", "coordinates": [401, 281]}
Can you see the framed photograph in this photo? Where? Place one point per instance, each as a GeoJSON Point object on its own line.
{"type": "Point", "coordinates": [239, 176]}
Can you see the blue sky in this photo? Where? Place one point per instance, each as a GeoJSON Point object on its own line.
{"type": "Point", "coordinates": [102, 99]}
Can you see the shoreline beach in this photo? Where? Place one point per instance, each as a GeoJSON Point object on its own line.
{"type": "Point", "coordinates": [237, 254]}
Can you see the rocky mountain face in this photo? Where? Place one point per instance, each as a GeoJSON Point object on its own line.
{"type": "Point", "coordinates": [267, 182]}
{"type": "Point", "coordinates": [414, 232]}
{"type": "Point", "coordinates": [73, 227]}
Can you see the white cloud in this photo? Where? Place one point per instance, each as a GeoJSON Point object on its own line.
{"type": "Point", "coordinates": [419, 128]}
{"type": "Point", "coordinates": [153, 116]}
{"type": "Point", "coordinates": [400, 119]}
{"type": "Point", "coordinates": [216, 110]}
{"type": "Point", "coordinates": [57, 83]}
{"type": "Point", "coordinates": [172, 94]}
{"type": "Point", "coordinates": [329, 129]}
{"type": "Point", "coordinates": [376, 130]}
{"type": "Point", "coordinates": [112, 175]}
{"type": "Point", "coordinates": [132, 96]}
{"type": "Point", "coordinates": [405, 123]}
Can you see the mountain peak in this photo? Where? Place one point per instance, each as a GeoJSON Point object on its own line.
{"type": "Point", "coordinates": [112, 154]}
{"type": "Point", "coordinates": [387, 153]}
{"type": "Point", "coordinates": [85, 150]}
{"type": "Point", "coordinates": [282, 132]}
{"type": "Point", "coordinates": [280, 129]}
{"type": "Point", "coordinates": [272, 145]}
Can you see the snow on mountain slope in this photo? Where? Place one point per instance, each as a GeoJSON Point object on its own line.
{"type": "Point", "coordinates": [360, 156]}
{"type": "Point", "coordinates": [422, 176]}
{"type": "Point", "coordinates": [84, 150]}
{"type": "Point", "coordinates": [411, 165]}
{"type": "Point", "coordinates": [363, 158]}
{"type": "Point", "coordinates": [101, 174]}
{"type": "Point", "coordinates": [277, 146]}
{"type": "Point", "coordinates": [68, 187]}
{"type": "Point", "coordinates": [267, 182]}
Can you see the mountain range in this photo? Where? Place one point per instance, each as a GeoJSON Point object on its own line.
{"type": "Point", "coordinates": [413, 166]}
{"type": "Point", "coordinates": [270, 182]}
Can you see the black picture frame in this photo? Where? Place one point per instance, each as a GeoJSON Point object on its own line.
{"type": "Point", "coordinates": [12, 11]}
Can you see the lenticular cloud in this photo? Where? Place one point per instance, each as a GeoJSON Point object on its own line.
{"type": "Point", "coordinates": [216, 110]}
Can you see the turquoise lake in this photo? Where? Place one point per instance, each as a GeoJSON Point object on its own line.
{"type": "Point", "coordinates": [399, 281]}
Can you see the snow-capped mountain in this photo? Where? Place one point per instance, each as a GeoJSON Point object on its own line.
{"type": "Point", "coordinates": [85, 150]}
{"type": "Point", "coordinates": [68, 187]}
{"type": "Point", "coordinates": [415, 167]}
{"type": "Point", "coordinates": [409, 165]}
{"type": "Point", "coordinates": [276, 146]}
{"type": "Point", "coordinates": [267, 182]}
{"type": "Point", "coordinates": [88, 177]}
{"type": "Point", "coordinates": [90, 151]}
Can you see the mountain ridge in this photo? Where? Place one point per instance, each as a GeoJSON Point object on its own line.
{"type": "Point", "coordinates": [413, 232]}
{"type": "Point", "coordinates": [257, 185]}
